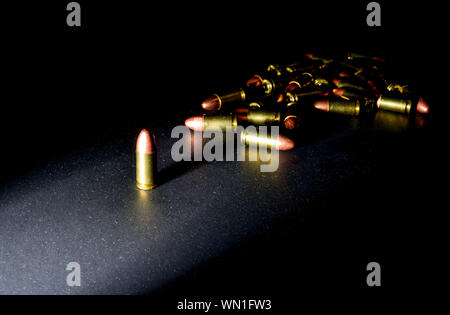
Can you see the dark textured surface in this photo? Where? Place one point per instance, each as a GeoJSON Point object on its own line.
{"type": "Point", "coordinates": [86, 208]}
{"type": "Point", "coordinates": [73, 101]}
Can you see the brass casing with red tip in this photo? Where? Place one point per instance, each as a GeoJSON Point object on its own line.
{"type": "Point", "coordinates": [253, 138]}
{"type": "Point", "coordinates": [146, 168]}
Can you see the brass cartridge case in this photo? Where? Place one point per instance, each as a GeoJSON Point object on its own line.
{"type": "Point", "coordinates": [351, 108]}
{"type": "Point", "coordinates": [262, 117]}
{"type": "Point", "coordinates": [394, 104]}
{"type": "Point", "coordinates": [145, 170]}
{"type": "Point", "coordinates": [220, 121]}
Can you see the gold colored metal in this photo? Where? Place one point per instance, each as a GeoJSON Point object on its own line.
{"type": "Point", "coordinates": [243, 95]}
{"type": "Point", "coordinates": [220, 101]}
{"type": "Point", "coordinates": [145, 170]}
{"type": "Point", "coordinates": [262, 117]}
{"type": "Point", "coordinates": [275, 68]}
{"type": "Point", "coordinates": [268, 86]}
{"type": "Point", "coordinates": [345, 108]}
{"type": "Point", "coordinates": [397, 87]}
{"type": "Point", "coordinates": [290, 104]}
{"type": "Point", "coordinates": [220, 121]}
{"type": "Point", "coordinates": [394, 104]}
{"type": "Point", "coordinates": [252, 138]}
{"type": "Point", "coordinates": [320, 82]}
{"type": "Point", "coordinates": [290, 116]}
{"type": "Point", "coordinates": [292, 97]}
{"type": "Point", "coordinates": [254, 105]}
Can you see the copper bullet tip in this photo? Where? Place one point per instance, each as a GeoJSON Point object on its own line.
{"type": "Point", "coordinates": [344, 75]}
{"type": "Point", "coordinates": [336, 81]}
{"type": "Point", "coordinates": [195, 123]}
{"type": "Point", "coordinates": [254, 81]}
{"type": "Point", "coordinates": [323, 105]}
{"type": "Point", "coordinates": [339, 92]}
{"type": "Point", "coordinates": [290, 123]}
{"type": "Point", "coordinates": [422, 106]}
{"type": "Point", "coordinates": [146, 142]}
{"type": "Point", "coordinates": [284, 143]}
{"type": "Point", "coordinates": [211, 103]}
{"type": "Point", "coordinates": [378, 59]}
{"type": "Point", "coordinates": [290, 87]}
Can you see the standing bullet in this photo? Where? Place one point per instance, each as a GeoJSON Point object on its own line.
{"type": "Point", "coordinates": [146, 161]}
{"type": "Point", "coordinates": [200, 123]}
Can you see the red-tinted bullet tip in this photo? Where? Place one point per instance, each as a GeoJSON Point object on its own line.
{"type": "Point", "coordinates": [422, 106]}
{"type": "Point", "coordinates": [339, 92]}
{"type": "Point", "coordinates": [254, 82]}
{"type": "Point", "coordinates": [195, 123]}
{"type": "Point", "coordinates": [284, 143]}
{"type": "Point", "coordinates": [146, 142]}
{"type": "Point", "coordinates": [211, 103]}
{"type": "Point", "coordinates": [378, 59]}
{"type": "Point", "coordinates": [290, 123]}
{"type": "Point", "coordinates": [323, 105]}
{"type": "Point", "coordinates": [336, 81]}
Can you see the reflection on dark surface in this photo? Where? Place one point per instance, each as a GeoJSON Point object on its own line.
{"type": "Point", "coordinates": [392, 122]}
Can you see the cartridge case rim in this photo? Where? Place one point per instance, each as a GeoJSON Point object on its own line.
{"type": "Point", "coordinates": [220, 100]}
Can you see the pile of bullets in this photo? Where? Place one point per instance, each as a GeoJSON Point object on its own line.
{"type": "Point", "coordinates": [353, 85]}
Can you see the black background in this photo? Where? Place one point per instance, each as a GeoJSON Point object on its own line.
{"type": "Point", "coordinates": [67, 88]}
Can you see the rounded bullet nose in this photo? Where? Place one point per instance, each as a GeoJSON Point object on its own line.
{"type": "Point", "coordinates": [195, 123]}
{"type": "Point", "coordinates": [211, 103]}
{"type": "Point", "coordinates": [339, 91]}
{"type": "Point", "coordinates": [290, 123]}
{"type": "Point", "coordinates": [336, 81]}
{"type": "Point", "coordinates": [145, 142]}
{"type": "Point", "coordinates": [378, 59]}
{"type": "Point", "coordinates": [323, 105]}
{"type": "Point", "coordinates": [379, 102]}
{"type": "Point", "coordinates": [254, 82]}
{"type": "Point", "coordinates": [290, 87]}
{"type": "Point", "coordinates": [284, 143]}
{"type": "Point", "coordinates": [344, 75]}
{"type": "Point", "coordinates": [280, 98]}
{"type": "Point", "coordinates": [422, 106]}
